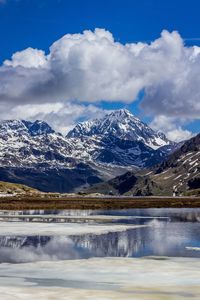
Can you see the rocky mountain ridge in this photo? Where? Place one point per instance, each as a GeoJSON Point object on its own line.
{"type": "Point", "coordinates": [177, 175]}
{"type": "Point", "coordinates": [122, 124]}
{"type": "Point", "coordinates": [33, 153]}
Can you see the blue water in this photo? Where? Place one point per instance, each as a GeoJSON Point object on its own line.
{"type": "Point", "coordinates": [169, 232]}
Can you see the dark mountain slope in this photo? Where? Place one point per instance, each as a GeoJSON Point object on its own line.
{"type": "Point", "coordinates": [179, 173]}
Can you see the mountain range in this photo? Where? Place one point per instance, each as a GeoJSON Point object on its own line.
{"type": "Point", "coordinates": [122, 124]}
{"type": "Point", "coordinates": [32, 153]}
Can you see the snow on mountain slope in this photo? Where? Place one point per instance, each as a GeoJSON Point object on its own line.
{"type": "Point", "coordinates": [182, 168]}
{"type": "Point", "coordinates": [33, 153]}
{"type": "Point", "coordinates": [26, 144]}
{"type": "Point", "coordinates": [121, 124]}
{"type": "Point", "coordinates": [179, 173]}
{"type": "Point", "coordinates": [20, 127]}
{"type": "Point", "coordinates": [38, 127]}
{"type": "Point", "coordinates": [117, 139]}
{"type": "Point", "coordinates": [115, 151]}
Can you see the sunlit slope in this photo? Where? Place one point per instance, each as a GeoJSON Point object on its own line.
{"type": "Point", "coordinates": [13, 188]}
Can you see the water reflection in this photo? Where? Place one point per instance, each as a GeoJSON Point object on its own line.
{"type": "Point", "coordinates": [35, 248]}
{"type": "Point", "coordinates": [175, 214]}
{"type": "Point", "coordinates": [160, 239]}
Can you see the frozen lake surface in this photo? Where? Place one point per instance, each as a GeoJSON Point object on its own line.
{"type": "Point", "coordinates": [102, 278]}
{"type": "Point", "coordinates": [122, 254]}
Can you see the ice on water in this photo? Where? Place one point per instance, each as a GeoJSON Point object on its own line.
{"type": "Point", "coordinates": [55, 267]}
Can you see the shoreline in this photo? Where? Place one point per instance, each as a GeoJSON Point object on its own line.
{"type": "Point", "coordinates": [86, 202]}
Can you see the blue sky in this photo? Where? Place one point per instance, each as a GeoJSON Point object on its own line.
{"type": "Point", "coordinates": [39, 23]}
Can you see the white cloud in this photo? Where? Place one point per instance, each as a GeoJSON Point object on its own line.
{"type": "Point", "coordinates": [171, 127]}
{"type": "Point", "coordinates": [61, 116]}
{"type": "Point", "coordinates": [93, 67]}
{"type": "Point", "coordinates": [28, 58]}
{"type": "Point", "coordinates": [179, 134]}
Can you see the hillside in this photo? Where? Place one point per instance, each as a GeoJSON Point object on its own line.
{"type": "Point", "coordinates": [179, 174]}
{"type": "Point", "coordinates": [12, 188]}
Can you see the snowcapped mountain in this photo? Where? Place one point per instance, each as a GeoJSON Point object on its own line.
{"type": "Point", "coordinates": [27, 144]}
{"type": "Point", "coordinates": [123, 125]}
{"type": "Point", "coordinates": [38, 127]}
{"type": "Point", "coordinates": [20, 127]}
{"type": "Point", "coordinates": [112, 150]}
{"type": "Point", "coordinates": [179, 173]}
{"type": "Point", "coordinates": [119, 138]}
{"type": "Point", "coordinates": [32, 153]}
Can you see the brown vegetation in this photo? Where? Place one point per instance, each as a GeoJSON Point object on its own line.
{"type": "Point", "coordinates": [78, 202]}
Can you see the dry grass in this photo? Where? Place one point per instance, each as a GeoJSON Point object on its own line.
{"type": "Point", "coordinates": [10, 188]}
{"type": "Point", "coordinates": [45, 202]}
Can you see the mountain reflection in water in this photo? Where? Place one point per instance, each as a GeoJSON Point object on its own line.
{"type": "Point", "coordinates": [161, 238]}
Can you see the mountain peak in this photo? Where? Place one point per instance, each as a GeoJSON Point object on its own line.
{"type": "Point", "coordinates": [38, 127]}
{"type": "Point", "coordinates": [121, 115]}
{"type": "Point", "coordinates": [121, 112]}
{"type": "Point", "coordinates": [21, 127]}
{"type": "Point", "coordinates": [12, 127]}
{"type": "Point", "coordinates": [121, 124]}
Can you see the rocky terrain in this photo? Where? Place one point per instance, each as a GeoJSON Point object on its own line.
{"type": "Point", "coordinates": [178, 175]}
{"type": "Point", "coordinates": [122, 124]}
{"type": "Point", "coordinates": [32, 153]}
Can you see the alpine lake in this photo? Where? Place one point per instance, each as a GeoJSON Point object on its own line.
{"type": "Point", "coordinates": [100, 254]}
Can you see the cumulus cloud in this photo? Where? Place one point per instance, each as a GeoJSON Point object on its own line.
{"type": "Point", "coordinates": [178, 134]}
{"type": "Point", "coordinates": [28, 58]}
{"type": "Point", "coordinates": [170, 125]}
{"type": "Point", "coordinates": [92, 67]}
{"type": "Point", "coordinates": [61, 116]}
